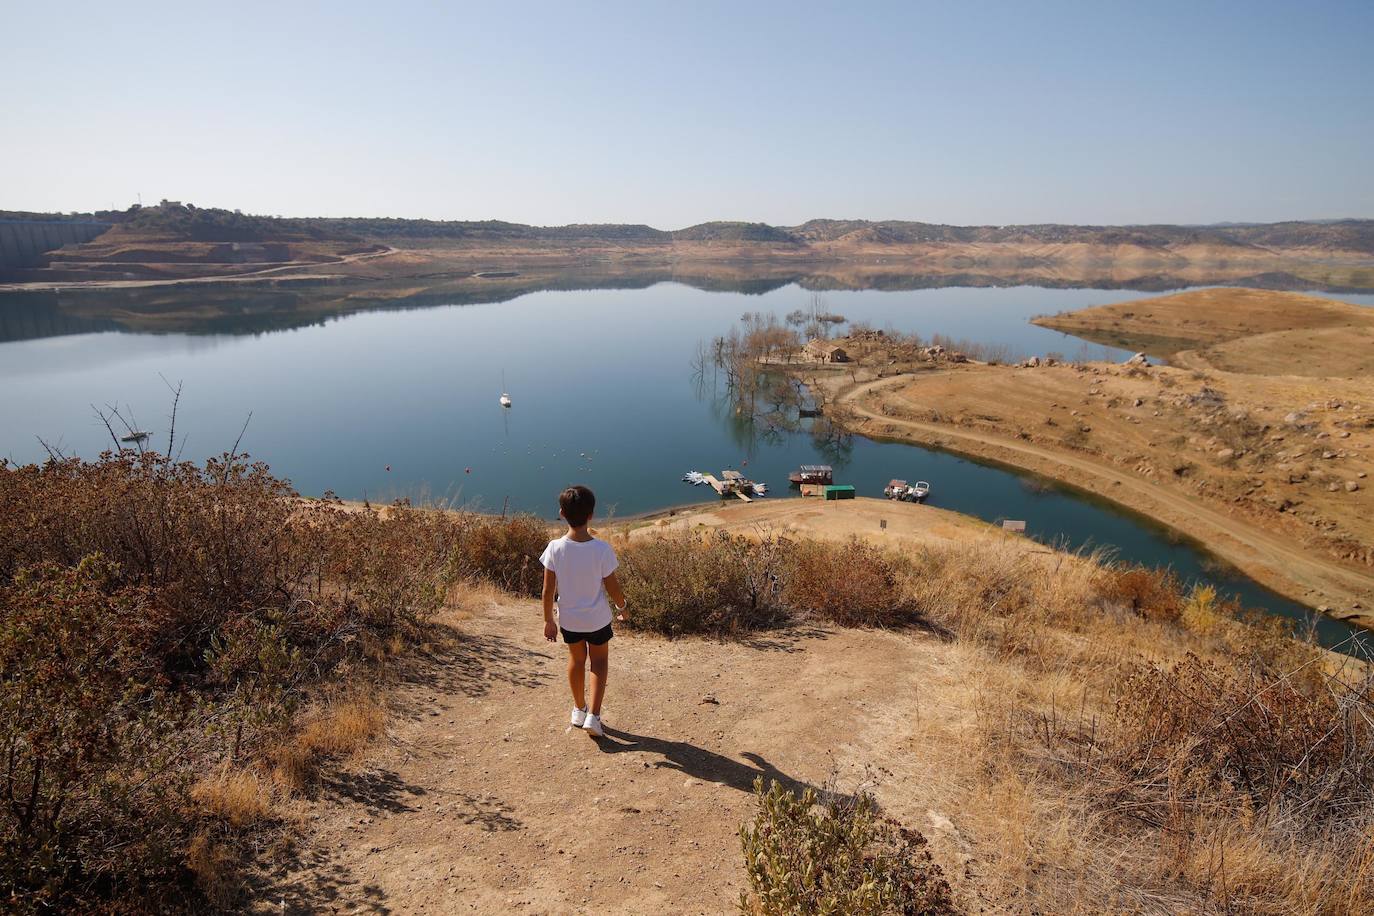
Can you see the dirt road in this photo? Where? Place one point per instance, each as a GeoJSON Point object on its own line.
{"type": "Point", "coordinates": [1271, 559]}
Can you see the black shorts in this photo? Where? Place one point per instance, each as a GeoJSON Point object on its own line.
{"type": "Point", "coordinates": [596, 638]}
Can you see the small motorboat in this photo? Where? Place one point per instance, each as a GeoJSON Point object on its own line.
{"type": "Point", "coordinates": [919, 490]}
{"type": "Point", "coordinates": [695, 478]}
{"type": "Point", "coordinates": [505, 399]}
{"type": "Point", "coordinates": [895, 489]}
{"type": "Point", "coordinates": [760, 489]}
{"type": "Point", "coordinates": [135, 435]}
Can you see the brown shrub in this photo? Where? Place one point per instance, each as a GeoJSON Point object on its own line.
{"type": "Point", "coordinates": [850, 584]}
{"type": "Point", "coordinates": [712, 583]}
{"type": "Point", "coordinates": [505, 552]}
{"type": "Point", "coordinates": [715, 583]}
{"type": "Point", "coordinates": [338, 730]}
{"type": "Point", "coordinates": [84, 718]}
{"type": "Point", "coordinates": [1154, 594]}
{"type": "Point", "coordinates": [216, 865]}
{"type": "Point", "coordinates": [159, 620]}
{"type": "Point", "coordinates": [1203, 732]}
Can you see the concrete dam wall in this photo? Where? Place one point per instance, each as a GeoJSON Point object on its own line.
{"type": "Point", "coordinates": [26, 243]}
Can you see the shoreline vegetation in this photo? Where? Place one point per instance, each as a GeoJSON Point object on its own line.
{"type": "Point", "coordinates": [1101, 737]}
{"type": "Point", "coordinates": [1256, 440]}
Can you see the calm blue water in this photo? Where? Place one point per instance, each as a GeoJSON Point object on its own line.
{"type": "Point", "coordinates": [404, 403]}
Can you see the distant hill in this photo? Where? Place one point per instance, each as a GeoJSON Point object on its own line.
{"type": "Point", "coordinates": [172, 220]}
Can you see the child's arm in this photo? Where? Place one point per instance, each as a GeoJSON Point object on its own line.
{"type": "Point", "coordinates": [550, 589]}
{"type": "Point", "coordinates": [617, 596]}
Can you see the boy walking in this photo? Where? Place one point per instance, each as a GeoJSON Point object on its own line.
{"type": "Point", "coordinates": [580, 571]}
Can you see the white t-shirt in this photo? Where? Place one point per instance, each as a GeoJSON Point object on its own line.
{"type": "Point", "coordinates": [580, 566]}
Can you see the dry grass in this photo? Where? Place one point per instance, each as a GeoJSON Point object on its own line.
{"type": "Point", "coordinates": [237, 797]}
{"type": "Point", "coordinates": [338, 730]}
{"type": "Point", "coordinates": [1129, 745]}
{"type": "Point", "coordinates": [217, 868]}
{"type": "Point", "coordinates": [1102, 772]}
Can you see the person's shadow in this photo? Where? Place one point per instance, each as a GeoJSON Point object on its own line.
{"type": "Point", "coordinates": [700, 763]}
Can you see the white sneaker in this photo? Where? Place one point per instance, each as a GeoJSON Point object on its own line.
{"type": "Point", "coordinates": [593, 726]}
{"type": "Point", "coordinates": [578, 717]}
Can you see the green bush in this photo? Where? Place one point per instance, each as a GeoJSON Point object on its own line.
{"type": "Point", "coordinates": [807, 859]}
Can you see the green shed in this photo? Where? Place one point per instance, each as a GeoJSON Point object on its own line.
{"type": "Point", "coordinates": [837, 491]}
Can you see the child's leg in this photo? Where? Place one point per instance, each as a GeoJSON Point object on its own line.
{"type": "Point", "coordinates": [601, 665]}
{"type": "Point", "coordinates": [577, 666]}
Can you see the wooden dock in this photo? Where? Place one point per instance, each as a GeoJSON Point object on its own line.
{"type": "Point", "coordinates": [720, 487]}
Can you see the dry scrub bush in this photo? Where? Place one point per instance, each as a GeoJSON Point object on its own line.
{"type": "Point", "coordinates": [1154, 594]}
{"type": "Point", "coordinates": [1017, 600]}
{"type": "Point", "coordinates": [92, 765]}
{"type": "Point", "coordinates": [158, 620]}
{"type": "Point", "coordinates": [504, 552]}
{"type": "Point", "coordinates": [851, 584]}
{"type": "Point", "coordinates": [1258, 784]}
{"type": "Point", "coordinates": [1201, 733]}
{"type": "Point", "coordinates": [840, 857]}
{"type": "Point", "coordinates": [1219, 782]}
{"type": "Point", "coordinates": [714, 584]}
{"type": "Point", "coordinates": [721, 584]}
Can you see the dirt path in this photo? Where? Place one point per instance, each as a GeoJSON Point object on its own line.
{"type": "Point", "coordinates": [1271, 559]}
{"type": "Point", "coordinates": [484, 800]}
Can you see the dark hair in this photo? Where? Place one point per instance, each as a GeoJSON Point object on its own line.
{"type": "Point", "coordinates": [577, 504]}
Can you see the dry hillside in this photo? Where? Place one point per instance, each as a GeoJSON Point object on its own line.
{"type": "Point", "coordinates": [1257, 442]}
{"type": "Point", "coordinates": [981, 729]}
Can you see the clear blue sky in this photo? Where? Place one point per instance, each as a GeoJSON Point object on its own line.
{"type": "Point", "coordinates": [672, 114]}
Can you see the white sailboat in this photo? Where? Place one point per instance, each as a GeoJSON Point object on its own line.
{"type": "Point", "coordinates": [505, 398]}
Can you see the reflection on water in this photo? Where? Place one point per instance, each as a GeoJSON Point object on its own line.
{"type": "Point", "coordinates": [234, 308]}
{"type": "Point", "coordinates": [400, 397]}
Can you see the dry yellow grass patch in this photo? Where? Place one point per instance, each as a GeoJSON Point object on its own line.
{"type": "Point", "coordinates": [216, 866]}
{"type": "Point", "coordinates": [237, 797]}
{"type": "Point", "coordinates": [340, 729]}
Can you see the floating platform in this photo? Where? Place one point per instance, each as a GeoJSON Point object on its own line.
{"type": "Point", "coordinates": [730, 486]}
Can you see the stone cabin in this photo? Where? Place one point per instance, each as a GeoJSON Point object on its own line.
{"type": "Point", "coordinates": [826, 352]}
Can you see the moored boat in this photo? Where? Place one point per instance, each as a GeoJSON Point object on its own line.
{"type": "Point", "coordinates": [813, 474]}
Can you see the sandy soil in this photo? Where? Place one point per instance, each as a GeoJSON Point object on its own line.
{"type": "Point", "coordinates": [483, 800]}
{"type": "Point", "coordinates": [1271, 472]}
{"type": "Point", "coordinates": [1253, 331]}
{"type": "Point", "coordinates": [906, 523]}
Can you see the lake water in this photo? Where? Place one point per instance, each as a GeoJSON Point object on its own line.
{"type": "Point", "coordinates": [385, 404]}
